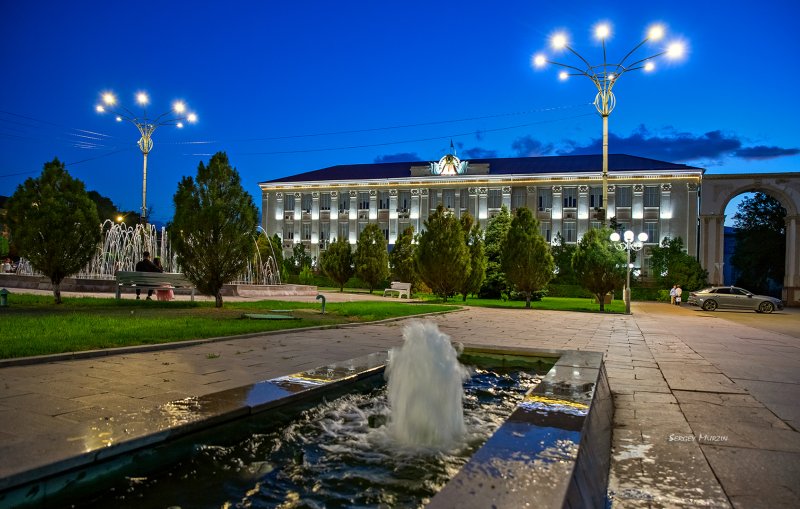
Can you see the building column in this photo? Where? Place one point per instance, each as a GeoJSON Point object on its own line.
{"type": "Point", "coordinates": [457, 200]}
{"type": "Point", "coordinates": [583, 211]}
{"type": "Point", "coordinates": [611, 205]}
{"type": "Point", "coordinates": [315, 223]}
{"type": "Point", "coordinates": [665, 214]}
{"type": "Point", "coordinates": [352, 217]}
{"type": "Point", "coordinates": [393, 233]}
{"type": "Point", "coordinates": [557, 213]}
{"type": "Point", "coordinates": [414, 212]}
{"type": "Point", "coordinates": [334, 216]}
{"type": "Point", "coordinates": [692, 211]}
{"type": "Point", "coordinates": [506, 190]}
{"type": "Point", "coordinates": [637, 209]}
{"type": "Point", "coordinates": [279, 215]}
{"type": "Point", "coordinates": [791, 279]}
{"type": "Point", "coordinates": [483, 206]}
{"type": "Point", "coordinates": [712, 231]}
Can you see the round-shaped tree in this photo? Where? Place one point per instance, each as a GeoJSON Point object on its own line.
{"type": "Point", "coordinates": [54, 224]}
{"type": "Point", "coordinates": [526, 259]}
{"type": "Point", "coordinates": [371, 258]}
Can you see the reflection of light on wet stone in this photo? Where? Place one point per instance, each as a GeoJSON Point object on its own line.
{"type": "Point", "coordinates": [638, 451]}
{"type": "Point", "coordinates": [181, 411]}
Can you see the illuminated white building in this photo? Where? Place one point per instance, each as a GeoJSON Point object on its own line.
{"type": "Point", "coordinates": [645, 195]}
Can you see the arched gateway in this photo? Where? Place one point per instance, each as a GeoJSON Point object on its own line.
{"type": "Point", "coordinates": [715, 193]}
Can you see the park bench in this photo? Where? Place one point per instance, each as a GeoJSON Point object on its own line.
{"type": "Point", "coordinates": [153, 281]}
{"type": "Point", "coordinates": [398, 288]}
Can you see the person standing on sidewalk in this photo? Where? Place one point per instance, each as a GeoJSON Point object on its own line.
{"type": "Point", "coordinates": [672, 294]}
{"type": "Point", "coordinates": [678, 293]}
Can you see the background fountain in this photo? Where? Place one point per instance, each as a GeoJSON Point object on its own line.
{"type": "Point", "coordinates": [121, 246]}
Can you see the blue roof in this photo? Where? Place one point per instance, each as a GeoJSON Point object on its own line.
{"type": "Point", "coordinates": [497, 166]}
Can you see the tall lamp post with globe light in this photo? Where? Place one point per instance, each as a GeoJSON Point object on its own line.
{"type": "Point", "coordinates": [628, 243]}
{"type": "Point", "coordinates": [605, 75]}
{"type": "Point", "coordinates": [146, 126]}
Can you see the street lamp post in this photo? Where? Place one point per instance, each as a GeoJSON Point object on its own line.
{"type": "Point", "coordinates": [146, 126]}
{"type": "Point", "coordinates": [628, 243]}
{"type": "Point", "coordinates": [605, 75]}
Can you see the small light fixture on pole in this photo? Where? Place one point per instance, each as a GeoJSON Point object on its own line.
{"type": "Point", "coordinates": [628, 243]}
{"type": "Point", "coordinates": [146, 126]}
{"type": "Point", "coordinates": [605, 75]}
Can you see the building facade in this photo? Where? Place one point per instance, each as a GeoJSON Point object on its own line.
{"type": "Point", "coordinates": [564, 192]}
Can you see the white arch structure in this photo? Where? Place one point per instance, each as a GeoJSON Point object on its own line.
{"type": "Point", "coordinates": [715, 193]}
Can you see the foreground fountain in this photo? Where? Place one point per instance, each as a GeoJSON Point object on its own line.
{"type": "Point", "coordinates": [273, 443]}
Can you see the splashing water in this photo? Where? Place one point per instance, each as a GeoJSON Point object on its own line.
{"type": "Point", "coordinates": [425, 388]}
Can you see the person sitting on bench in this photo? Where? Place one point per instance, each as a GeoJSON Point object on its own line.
{"type": "Point", "coordinates": [146, 265]}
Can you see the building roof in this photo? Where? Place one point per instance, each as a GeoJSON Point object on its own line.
{"type": "Point", "coordinates": [497, 166]}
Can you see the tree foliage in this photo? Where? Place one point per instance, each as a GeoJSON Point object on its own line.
{"type": "Point", "coordinates": [337, 262]}
{"type": "Point", "coordinates": [442, 257]}
{"type": "Point", "coordinates": [526, 259]}
{"type": "Point", "coordinates": [213, 226]}
{"type": "Point", "coordinates": [562, 258]}
{"type": "Point", "coordinates": [672, 265]}
{"type": "Point", "coordinates": [300, 259]}
{"type": "Point", "coordinates": [760, 255]}
{"type": "Point", "coordinates": [473, 236]}
{"type": "Point", "coordinates": [54, 224]}
{"type": "Point", "coordinates": [371, 259]}
{"type": "Point", "coordinates": [401, 259]}
{"type": "Point", "coordinates": [495, 284]}
{"type": "Point", "coordinates": [598, 266]}
{"type": "Point", "coordinates": [271, 247]}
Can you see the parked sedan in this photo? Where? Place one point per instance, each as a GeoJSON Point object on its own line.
{"type": "Point", "coordinates": [732, 297]}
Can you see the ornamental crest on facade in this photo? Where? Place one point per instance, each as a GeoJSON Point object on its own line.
{"type": "Point", "coordinates": [449, 165]}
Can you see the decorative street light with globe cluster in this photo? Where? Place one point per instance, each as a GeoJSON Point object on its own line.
{"type": "Point", "coordinates": [146, 125]}
{"type": "Point", "coordinates": [605, 75]}
{"type": "Point", "coordinates": [628, 244]}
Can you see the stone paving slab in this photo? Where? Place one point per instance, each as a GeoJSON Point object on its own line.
{"type": "Point", "coordinates": [674, 372]}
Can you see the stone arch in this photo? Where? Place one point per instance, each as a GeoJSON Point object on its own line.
{"type": "Point", "coordinates": [715, 193]}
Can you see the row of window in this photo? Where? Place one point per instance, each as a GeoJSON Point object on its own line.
{"type": "Point", "coordinates": [623, 198]}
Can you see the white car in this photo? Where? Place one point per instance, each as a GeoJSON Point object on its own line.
{"type": "Point", "coordinates": [732, 297]}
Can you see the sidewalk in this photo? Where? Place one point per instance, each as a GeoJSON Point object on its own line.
{"type": "Point", "coordinates": [706, 409]}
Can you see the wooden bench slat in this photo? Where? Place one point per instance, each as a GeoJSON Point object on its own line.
{"type": "Point", "coordinates": [152, 280]}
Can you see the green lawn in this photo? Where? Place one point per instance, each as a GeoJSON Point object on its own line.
{"type": "Point", "coordinates": [551, 303]}
{"type": "Point", "coordinates": [33, 325]}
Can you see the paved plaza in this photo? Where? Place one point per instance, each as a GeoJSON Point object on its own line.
{"type": "Point", "coordinates": [707, 405]}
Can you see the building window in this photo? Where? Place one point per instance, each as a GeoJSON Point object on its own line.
{"type": "Point", "coordinates": [449, 198]}
{"type": "Point", "coordinates": [325, 201]}
{"type": "Point", "coordinates": [288, 202]}
{"type": "Point", "coordinates": [305, 202]}
{"type": "Point", "coordinates": [652, 196]}
{"type": "Point", "coordinates": [464, 199]}
{"type": "Point", "coordinates": [344, 202]}
{"type": "Point", "coordinates": [402, 226]}
{"type": "Point", "coordinates": [324, 233]}
{"type": "Point", "coordinates": [545, 230]}
{"type": "Point", "coordinates": [363, 201]}
{"type": "Point", "coordinates": [383, 200]}
{"type": "Point", "coordinates": [570, 231]}
{"type": "Point", "coordinates": [596, 197]}
{"type": "Point", "coordinates": [570, 197]}
{"type": "Point", "coordinates": [623, 196]}
{"type": "Point", "coordinates": [361, 227]}
{"type": "Point", "coordinates": [518, 197]}
{"type": "Point", "coordinates": [385, 229]}
{"type": "Point", "coordinates": [434, 198]}
{"type": "Point", "coordinates": [651, 229]}
{"type": "Point", "coordinates": [495, 198]}
{"type": "Point", "coordinates": [595, 225]}
{"type": "Point", "coordinates": [344, 231]}
{"type": "Point", "coordinates": [545, 199]}
{"type": "Point", "coordinates": [404, 201]}
{"type": "Point", "coordinates": [306, 231]}
{"type": "Point", "coordinates": [288, 232]}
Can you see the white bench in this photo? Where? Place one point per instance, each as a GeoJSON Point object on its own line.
{"type": "Point", "coordinates": [398, 288]}
{"type": "Point", "coordinates": [153, 281]}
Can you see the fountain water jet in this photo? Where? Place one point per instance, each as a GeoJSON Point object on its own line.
{"type": "Point", "coordinates": [425, 388]}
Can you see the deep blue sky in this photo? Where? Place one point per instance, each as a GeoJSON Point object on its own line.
{"type": "Point", "coordinates": [260, 73]}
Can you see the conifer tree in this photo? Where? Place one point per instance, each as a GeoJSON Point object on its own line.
{"type": "Point", "coordinates": [401, 259]}
{"type": "Point", "coordinates": [212, 230]}
{"type": "Point", "coordinates": [337, 262]}
{"type": "Point", "coordinates": [473, 235]}
{"type": "Point", "coordinates": [495, 284]}
{"type": "Point", "coordinates": [371, 259]}
{"type": "Point", "coordinates": [442, 257]}
{"type": "Point", "coordinates": [598, 266]}
{"type": "Point", "coordinates": [526, 259]}
{"type": "Point", "coordinates": [54, 224]}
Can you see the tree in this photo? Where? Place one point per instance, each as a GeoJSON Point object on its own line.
{"type": "Point", "coordinates": [371, 259]}
{"type": "Point", "coordinates": [300, 258]}
{"type": "Point", "coordinates": [270, 247]}
{"type": "Point", "coordinates": [212, 229]}
{"type": "Point", "coordinates": [672, 265]}
{"type": "Point", "coordinates": [54, 224]}
{"type": "Point", "coordinates": [760, 254]}
{"type": "Point", "coordinates": [598, 266]}
{"type": "Point", "coordinates": [526, 260]}
{"type": "Point", "coordinates": [562, 257]}
{"type": "Point", "coordinates": [401, 259]}
{"type": "Point", "coordinates": [442, 257]}
{"type": "Point", "coordinates": [337, 262]}
{"type": "Point", "coordinates": [495, 284]}
{"type": "Point", "coordinates": [473, 235]}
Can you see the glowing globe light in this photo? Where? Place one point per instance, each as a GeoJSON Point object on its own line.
{"type": "Point", "coordinates": [119, 119]}
{"type": "Point", "coordinates": [649, 66]}
{"type": "Point", "coordinates": [179, 107]}
{"type": "Point", "coordinates": [675, 50]}
{"type": "Point", "coordinates": [642, 237]}
{"type": "Point", "coordinates": [109, 98]}
{"type": "Point", "coordinates": [559, 41]}
{"type": "Point", "coordinates": [539, 60]}
{"type": "Point", "coordinates": [191, 118]}
{"type": "Point", "coordinates": [142, 98]}
{"type": "Point", "coordinates": [615, 237]}
{"type": "Point", "coordinates": [100, 109]}
{"type": "Point", "coordinates": [655, 33]}
{"type": "Point", "coordinates": [602, 31]}
{"type": "Point", "coordinates": [563, 75]}
{"type": "Point", "coordinates": [179, 125]}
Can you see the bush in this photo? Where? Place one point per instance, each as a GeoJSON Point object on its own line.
{"type": "Point", "coordinates": [573, 291]}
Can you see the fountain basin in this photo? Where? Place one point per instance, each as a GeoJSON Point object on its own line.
{"type": "Point", "coordinates": [554, 447]}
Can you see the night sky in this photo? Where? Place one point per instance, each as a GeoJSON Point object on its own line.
{"type": "Point", "coordinates": [288, 87]}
